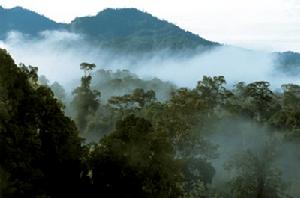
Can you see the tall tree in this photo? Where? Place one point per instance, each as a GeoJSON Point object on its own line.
{"type": "Point", "coordinates": [86, 101]}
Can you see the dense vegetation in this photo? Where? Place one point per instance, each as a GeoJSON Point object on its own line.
{"type": "Point", "coordinates": [139, 146]}
{"type": "Point", "coordinates": [122, 82]}
{"type": "Point", "coordinates": [40, 150]}
{"type": "Point", "coordinates": [133, 30]}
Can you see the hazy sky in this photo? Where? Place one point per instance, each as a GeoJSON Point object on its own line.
{"type": "Point", "coordinates": [260, 24]}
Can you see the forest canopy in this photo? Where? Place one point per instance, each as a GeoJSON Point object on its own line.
{"type": "Point", "coordinates": [118, 135]}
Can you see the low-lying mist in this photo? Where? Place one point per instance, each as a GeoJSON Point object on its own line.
{"type": "Point", "coordinates": [58, 55]}
{"type": "Point", "coordinates": [226, 141]}
{"type": "Point", "coordinates": [234, 136]}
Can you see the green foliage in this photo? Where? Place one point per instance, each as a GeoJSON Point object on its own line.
{"type": "Point", "coordinates": [122, 82]}
{"type": "Point", "coordinates": [198, 175]}
{"type": "Point", "coordinates": [211, 90]}
{"type": "Point", "coordinates": [183, 122]}
{"type": "Point", "coordinates": [255, 175]}
{"type": "Point", "coordinates": [140, 144]}
{"type": "Point", "coordinates": [40, 149]}
{"type": "Point", "coordinates": [289, 115]}
{"type": "Point", "coordinates": [291, 96]}
{"type": "Point", "coordinates": [255, 101]}
{"type": "Point", "coordinates": [85, 101]}
{"type": "Point", "coordinates": [87, 67]}
{"type": "Point", "coordinates": [137, 100]}
{"type": "Point", "coordinates": [135, 161]}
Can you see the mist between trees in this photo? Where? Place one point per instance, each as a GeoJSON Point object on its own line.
{"type": "Point", "coordinates": [118, 135]}
{"type": "Point", "coordinates": [66, 50]}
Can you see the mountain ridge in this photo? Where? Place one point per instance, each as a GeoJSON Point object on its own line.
{"type": "Point", "coordinates": [122, 28]}
{"type": "Point", "coordinates": [125, 30]}
{"type": "Point", "coordinates": [25, 21]}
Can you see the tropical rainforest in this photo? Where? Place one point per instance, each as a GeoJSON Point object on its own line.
{"type": "Point", "coordinates": [137, 145]}
{"type": "Point", "coordinates": [117, 134]}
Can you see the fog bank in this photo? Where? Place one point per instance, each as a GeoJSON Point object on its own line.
{"type": "Point", "coordinates": [58, 55]}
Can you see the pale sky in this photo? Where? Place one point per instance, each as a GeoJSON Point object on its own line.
{"type": "Point", "coordinates": [257, 24]}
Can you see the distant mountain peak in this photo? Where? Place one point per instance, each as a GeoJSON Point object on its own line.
{"type": "Point", "coordinates": [132, 29]}
{"type": "Point", "coordinates": [25, 21]}
{"type": "Point", "coordinates": [124, 29]}
{"type": "Point", "coordinates": [18, 9]}
{"type": "Point", "coordinates": [124, 10]}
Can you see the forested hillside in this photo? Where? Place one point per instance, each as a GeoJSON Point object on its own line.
{"type": "Point", "coordinates": [208, 141]}
{"type": "Point", "coordinates": [116, 29]}
{"type": "Point", "coordinates": [134, 30]}
{"type": "Point", "coordinates": [24, 21]}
